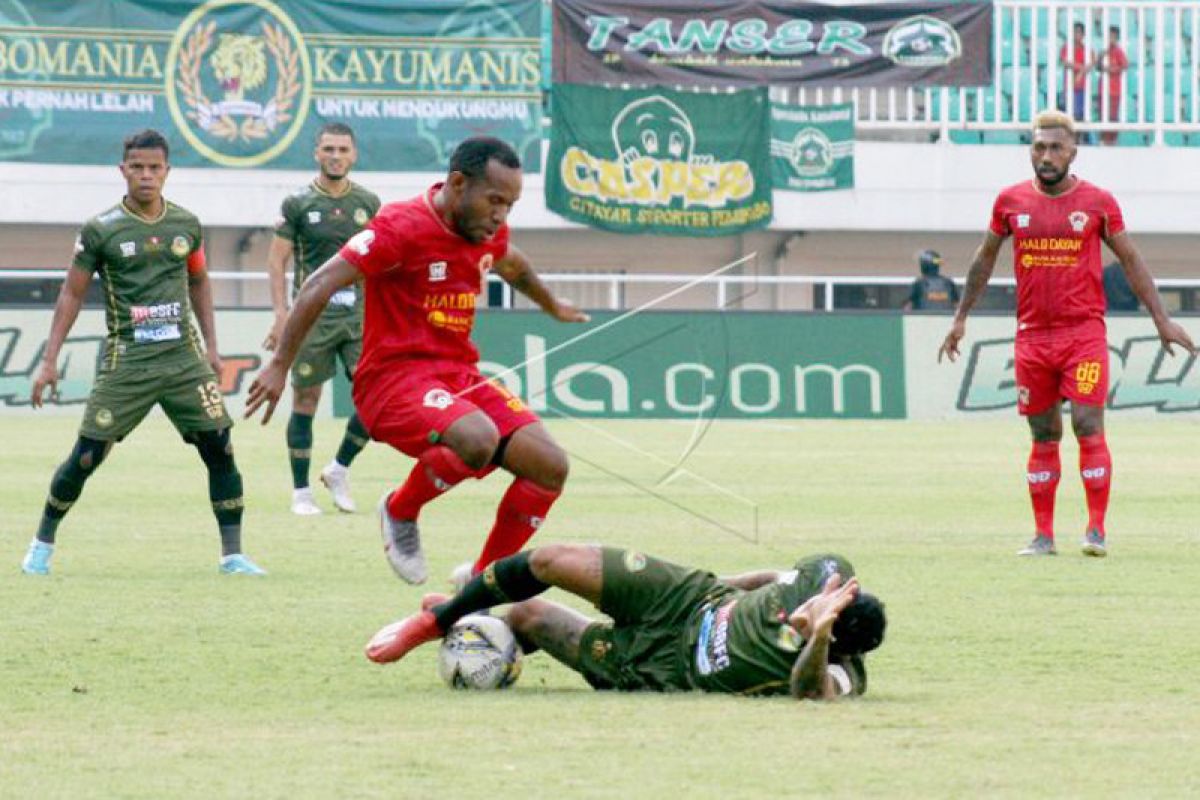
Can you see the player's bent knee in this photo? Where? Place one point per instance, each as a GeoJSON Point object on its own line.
{"type": "Point", "coordinates": [555, 469]}
{"type": "Point", "coordinates": [216, 449]}
{"type": "Point", "coordinates": [550, 563]}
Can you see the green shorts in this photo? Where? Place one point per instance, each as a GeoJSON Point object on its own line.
{"type": "Point", "coordinates": [330, 339]}
{"type": "Point", "coordinates": [645, 646]}
{"type": "Point", "coordinates": [187, 391]}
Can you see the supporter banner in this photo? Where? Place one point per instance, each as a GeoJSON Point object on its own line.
{"type": "Point", "coordinates": [812, 147]}
{"type": "Point", "coordinates": [660, 161]}
{"type": "Point", "coordinates": [748, 42]}
{"type": "Point", "coordinates": [1143, 379]}
{"type": "Point", "coordinates": [247, 83]}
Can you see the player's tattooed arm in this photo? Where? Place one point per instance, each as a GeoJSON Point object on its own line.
{"type": "Point", "coordinates": [1142, 284]}
{"type": "Point", "coordinates": [752, 580]}
{"type": "Point", "coordinates": [814, 620]}
{"type": "Point", "coordinates": [200, 293]}
{"type": "Point", "coordinates": [66, 311]}
{"type": "Point", "coordinates": [978, 275]}
{"type": "Point", "coordinates": [518, 273]}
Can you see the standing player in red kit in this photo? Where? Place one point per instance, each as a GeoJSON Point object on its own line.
{"type": "Point", "coordinates": [1057, 222]}
{"type": "Point", "coordinates": [417, 386]}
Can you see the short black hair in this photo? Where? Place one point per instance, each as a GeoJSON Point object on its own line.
{"type": "Point", "coordinates": [336, 129]}
{"type": "Point", "coordinates": [1114, 29]}
{"type": "Point", "coordinates": [1079, 26]}
{"type": "Point", "coordinates": [859, 628]}
{"type": "Point", "coordinates": [148, 139]}
{"type": "Point", "coordinates": [471, 157]}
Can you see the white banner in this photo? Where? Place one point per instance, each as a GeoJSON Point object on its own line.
{"type": "Point", "coordinates": [1143, 378]}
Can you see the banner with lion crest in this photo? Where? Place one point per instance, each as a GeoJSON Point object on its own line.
{"type": "Point", "coordinates": [247, 83]}
{"type": "Point", "coordinates": [660, 161]}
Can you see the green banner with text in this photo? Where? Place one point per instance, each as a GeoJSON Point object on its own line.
{"type": "Point", "coordinates": [660, 161]}
{"type": "Point", "coordinates": [247, 83]}
{"type": "Point", "coordinates": [812, 147]}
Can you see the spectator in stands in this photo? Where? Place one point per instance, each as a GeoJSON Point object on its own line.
{"type": "Point", "coordinates": [1112, 63]}
{"type": "Point", "coordinates": [1075, 75]}
{"type": "Point", "coordinates": [1118, 295]}
{"type": "Point", "coordinates": [932, 291]}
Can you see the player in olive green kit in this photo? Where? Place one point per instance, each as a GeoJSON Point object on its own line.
{"type": "Point", "coordinates": [315, 223]}
{"type": "Point", "coordinates": [149, 256]}
{"type": "Point", "coordinates": [801, 632]}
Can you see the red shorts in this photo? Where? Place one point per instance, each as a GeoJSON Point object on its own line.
{"type": "Point", "coordinates": [412, 407]}
{"type": "Point", "coordinates": [1068, 366]}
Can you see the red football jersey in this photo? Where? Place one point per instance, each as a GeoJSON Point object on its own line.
{"type": "Point", "coordinates": [1056, 251]}
{"type": "Point", "coordinates": [422, 281]}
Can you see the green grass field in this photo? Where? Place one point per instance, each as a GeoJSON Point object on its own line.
{"type": "Point", "coordinates": [136, 671]}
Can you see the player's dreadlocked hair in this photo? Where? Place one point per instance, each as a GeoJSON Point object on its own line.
{"type": "Point", "coordinates": [148, 139]}
{"type": "Point", "coordinates": [471, 157]}
{"type": "Point", "coordinates": [859, 629]}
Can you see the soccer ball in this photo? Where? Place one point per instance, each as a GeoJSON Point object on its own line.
{"type": "Point", "coordinates": [479, 652]}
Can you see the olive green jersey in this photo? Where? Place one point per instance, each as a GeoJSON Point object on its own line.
{"type": "Point", "coordinates": [143, 269]}
{"type": "Point", "coordinates": [318, 224]}
{"type": "Point", "coordinates": [741, 641]}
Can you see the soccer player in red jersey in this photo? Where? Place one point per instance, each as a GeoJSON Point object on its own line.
{"type": "Point", "coordinates": [417, 386]}
{"type": "Point", "coordinates": [1057, 222]}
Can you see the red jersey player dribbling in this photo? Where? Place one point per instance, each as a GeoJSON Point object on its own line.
{"type": "Point", "coordinates": [1057, 222]}
{"type": "Point", "coordinates": [417, 386]}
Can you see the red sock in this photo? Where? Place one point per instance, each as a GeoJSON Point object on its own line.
{"type": "Point", "coordinates": [1043, 473]}
{"type": "Point", "coordinates": [1095, 467]}
{"type": "Point", "coordinates": [437, 471]}
{"type": "Point", "coordinates": [522, 510]}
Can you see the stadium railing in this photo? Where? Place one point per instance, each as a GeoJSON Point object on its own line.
{"type": "Point", "coordinates": [1159, 92]}
{"type": "Point", "coordinates": [611, 290]}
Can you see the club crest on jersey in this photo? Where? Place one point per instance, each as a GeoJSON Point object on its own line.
{"type": "Point", "coordinates": [314, 217]}
{"type": "Point", "coordinates": [437, 271]}
{"type": "Point", "coordinates": [180, 245]}
{"type": "Point", "coordinates": [439, 399]}
{"type": "Point", "coordinates": [360, 216]}
{"type": "Point", "coordinates": [1078, 220]}
{"type": "Point", "coordinates": [1022, 220]}
{"type": "Point", "coordinates": [129, 249]}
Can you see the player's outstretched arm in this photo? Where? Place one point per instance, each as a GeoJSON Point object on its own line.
{"type": "Point", "coordinates": [1169, 332]}
{"type": "Point", "coordinates": [278, 256]}
{"type": "Point", "coordinates": [814, 620]}
{"type": "Point", "coordinates": [66, 311]}
{"type": "Point", "coordinates": [518, 273]}
{"type": "Point", "coordinates": [310, 301]}
{"type": "Point", "coordinates": [978, 276]}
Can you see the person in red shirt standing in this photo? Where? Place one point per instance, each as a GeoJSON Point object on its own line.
{"type": "Point", "coordinates": [417, 386]}
{"type": "Point", "coordinates": [1113, 63]}
{"type": "Point", "coordinates": [1076, 67]}
{"type": "Point", "coordinates": [1057, 222]}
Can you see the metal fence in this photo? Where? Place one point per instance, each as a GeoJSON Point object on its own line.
{"type": "Point", "coordinates": [1154, 98]}
{"type": "Point", "coordinates": [611, 290]}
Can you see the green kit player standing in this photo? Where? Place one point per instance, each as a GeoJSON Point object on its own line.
{"type": "Point", "coordinates": [149, 256]}
{"type": "Point", "coordinates": [315, 223]}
